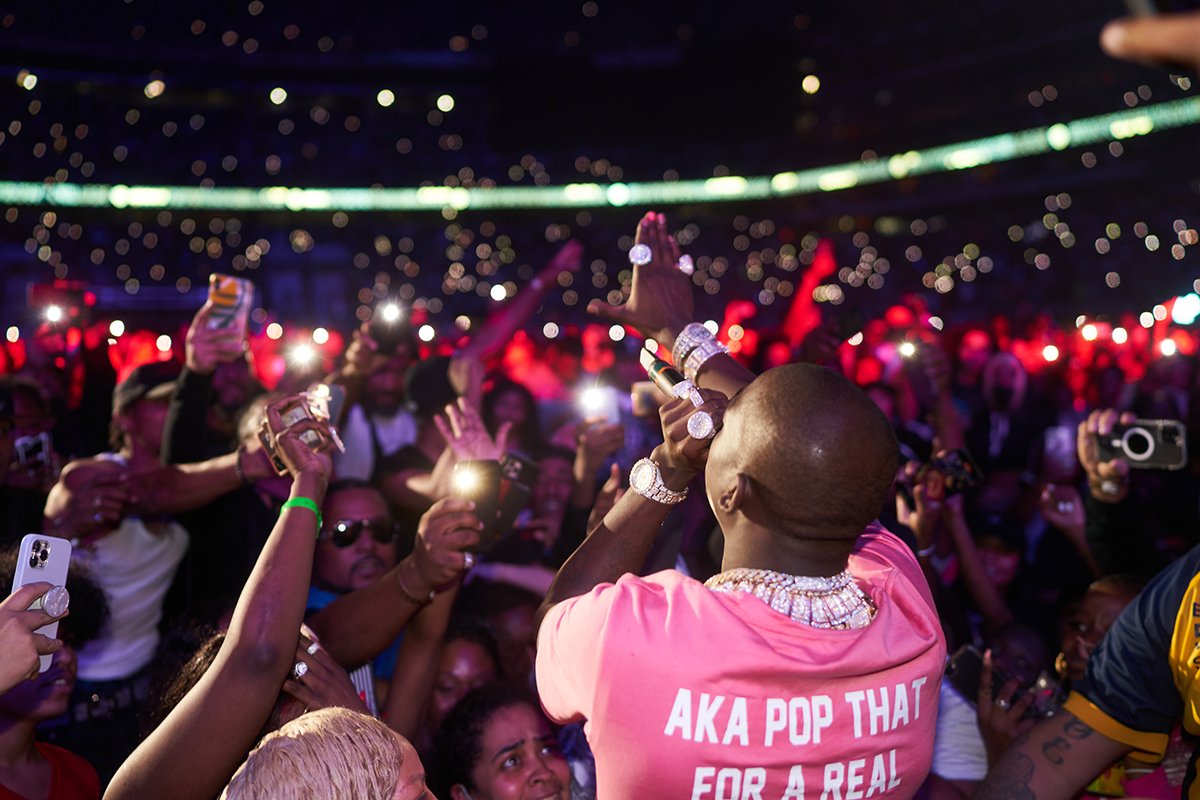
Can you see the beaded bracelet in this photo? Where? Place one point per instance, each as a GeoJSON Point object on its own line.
{"type": "Point", "coordinates": [304, 502]}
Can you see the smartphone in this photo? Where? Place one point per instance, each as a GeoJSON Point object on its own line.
{"type": "Point", "coordinates": [387, 328]}
{"type": "Point", "coordinates": [43, 558]}
{"type": "Point", "coordinates": [519, 474]}
{"type": "Point", "coordinates": [479, 482]}
{"type": "Point", "coordinates": [959, 470]}
{"type": "Point", "coordinates": [601, 403]}
{"type": "Point", "coordinates": [1146, 444]}
{"type": "Point", "coordinates": [966, 667]}
{"type": "Point", "coordinates": [32, 453]}
{"type": "Point", "coordinates": [231, 299]}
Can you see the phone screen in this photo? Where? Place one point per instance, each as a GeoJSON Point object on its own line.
{"type": "Point", "coordinates": [479, 482]}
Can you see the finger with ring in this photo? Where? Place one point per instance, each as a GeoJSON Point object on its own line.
{"type": "Point", "coordinates": [700, 425]}
{"type": "Point", "coordinates": [468, 560]}
{"type": "Point", "coordinates": [1110, 487]}
{"type": "Point", "coordinates": [688, 389]}
{"type": "Point", "coordinates": [299, 670]}
{"type": "Point", "coordinates": [311, 650]}
{"type": "Point", "coordinates": [640, 254]}
{"type": "Point", "coordinates": [686, 265]}
{"type": "Point", "coordinates": [1002, 703]}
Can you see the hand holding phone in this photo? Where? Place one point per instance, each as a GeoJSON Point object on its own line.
{"type": "Point", "coordinates": [44, 560]}
{"type": "Point", "coordinates": [479, 482]}
{"type": "Point", "coordinates": [213, 339]}
{"type": "Point", "coordinates": [601, 404]}
{"type": "Point", "coordinates": [1145, 444]}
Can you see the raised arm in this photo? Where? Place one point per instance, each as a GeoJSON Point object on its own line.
{"type": "Point", "coordinates": [499, 327]}
{"type": "Point", "coordinates": [417, 665]}
{"type": "Point", "coordinates": [187, 413]}
{"type": "Point", "coordinates": [620, 544]}
{"type": "Point", "coordinates": [660, 305]}
{"type": "Point", "coordinates": [203, 740]}
{"type": "Point", "coordinates": [358, 626]}
{"type": "Point", "coordinates": [182, 487]}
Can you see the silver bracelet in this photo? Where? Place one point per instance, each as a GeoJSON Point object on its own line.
{"type": "Point", "coordinates": [687, 341]}
{"type": "Point", "coordinates": [700, 356]}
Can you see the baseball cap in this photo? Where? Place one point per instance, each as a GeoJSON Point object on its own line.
{"type": "Point", "coordinates": [152, 381]}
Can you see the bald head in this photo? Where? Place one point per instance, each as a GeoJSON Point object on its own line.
{"type": "Point", "coordinates": [818, 455]}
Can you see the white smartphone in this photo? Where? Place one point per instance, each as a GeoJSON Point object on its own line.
{"type": "Point", "coordinates": [43, 558]}
{"type": "Point", "coordinates": [601, 403]}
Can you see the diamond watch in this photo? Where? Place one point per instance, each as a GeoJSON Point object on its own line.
{"type": "Point", "coordinates": [646, 479]}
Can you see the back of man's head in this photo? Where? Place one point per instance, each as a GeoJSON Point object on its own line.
{"type": "Point", "coordinates": [819, 457]}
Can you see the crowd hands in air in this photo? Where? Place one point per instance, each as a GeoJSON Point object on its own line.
{"type": "Point", "coordinates": [337, 630]}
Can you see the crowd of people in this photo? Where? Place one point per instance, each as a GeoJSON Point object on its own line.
{"type": "Point", "coordinates": [904, 562]}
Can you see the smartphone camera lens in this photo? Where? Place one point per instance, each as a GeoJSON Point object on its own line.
{"type": "Point", "coordinates": [1138, 444]}
{"type": "Point", "coordinates": [33, 560]}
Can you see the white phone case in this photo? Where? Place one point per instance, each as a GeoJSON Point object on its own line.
{"type": "Point", "coordinates": [43, 558]}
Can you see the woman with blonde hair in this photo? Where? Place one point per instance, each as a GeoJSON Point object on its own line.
{"type": "Point", "coordinates": [331, 754]}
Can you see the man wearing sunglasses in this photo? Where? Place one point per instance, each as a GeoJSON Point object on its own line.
{"type": "Point", "coordinates": [356, 546]}
{"type": "Point", "coordinates": [362, 596]}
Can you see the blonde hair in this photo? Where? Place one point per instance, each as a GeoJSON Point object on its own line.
{"type": "Point", "coordinates": [329, 754]}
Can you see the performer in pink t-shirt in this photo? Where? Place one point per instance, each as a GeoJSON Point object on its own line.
{"type": "Point", "coordinates": [810, 666]}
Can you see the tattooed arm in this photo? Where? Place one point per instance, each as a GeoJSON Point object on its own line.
{"type": "Point", "coordinates": [1055, 759]}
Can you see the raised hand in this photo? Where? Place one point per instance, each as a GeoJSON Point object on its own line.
{"type": "Point", "coordinates": [20, 645]}
{"type": "Point", "coordinates": [466, 435]}
{"type": "Point", "coordinates": [1063, 508]}
{"type": "Point", "coordinates": [598, 441]}
{"type": "Point", "coordinates": [289, 441]}
{"type": "Point", "coordinates": [362, 355]}
{"type": "Point", "coordinates": [324, 683]}
{"type": "Point", "coordinates": [1107, 480]}
{"type": "Point", "coordinates": [89, 500]}
{"type": "Point", "coordinates": [1001, 711]}
{"type": "Point", "coordinates": [660, 298]}
{"type": "Point", "coordinates": [1164, 39]}
{"type": "Point", "coordinates": [445, 534]}
{"type": "Point", "coordinates": [680, 457]}
{"type": "Point", "coordinates": [207, 347]}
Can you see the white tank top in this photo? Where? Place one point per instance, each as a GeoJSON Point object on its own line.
{"type": "Point", "coordinates": [134, 566]}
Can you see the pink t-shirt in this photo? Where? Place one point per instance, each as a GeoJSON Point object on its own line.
{"type": "Point", "coordinates": [693, 693]}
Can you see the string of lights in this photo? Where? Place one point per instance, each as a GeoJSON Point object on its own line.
{"type": "Point", "coordinates": [943, 158]}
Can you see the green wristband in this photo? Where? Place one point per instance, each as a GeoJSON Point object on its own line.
{"type": "Point", "coordinates": [304, 502]}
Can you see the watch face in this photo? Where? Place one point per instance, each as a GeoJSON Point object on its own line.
{"type": "Point", "coordinates": [641, 477]}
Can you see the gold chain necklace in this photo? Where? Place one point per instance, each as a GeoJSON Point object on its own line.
{"type": "Point", "coordinates": [834, 602]}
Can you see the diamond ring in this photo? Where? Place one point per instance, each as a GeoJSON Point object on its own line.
{"type": "Point", "coordinates": [700, 425]}
{"type": "Point", "coordinates": [686, 265]}
{"type": "Point", "coordinates": [640, 254]}
{"type": "Point", "coordinates": [468, 560]}
{"type": "Point", "coordinates": [299, 670]}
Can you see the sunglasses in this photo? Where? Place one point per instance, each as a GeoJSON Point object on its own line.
{"type": "Point", "coordinates": [345, 532]}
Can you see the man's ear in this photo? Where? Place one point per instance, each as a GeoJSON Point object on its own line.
{"type": "Point", "coordinates": [459, 792]}
{"type": "Point", "coordinates": [734, 497]}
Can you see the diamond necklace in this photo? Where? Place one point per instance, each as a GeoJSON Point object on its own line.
{"type": "Point", "coordinates": [834, 602]}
